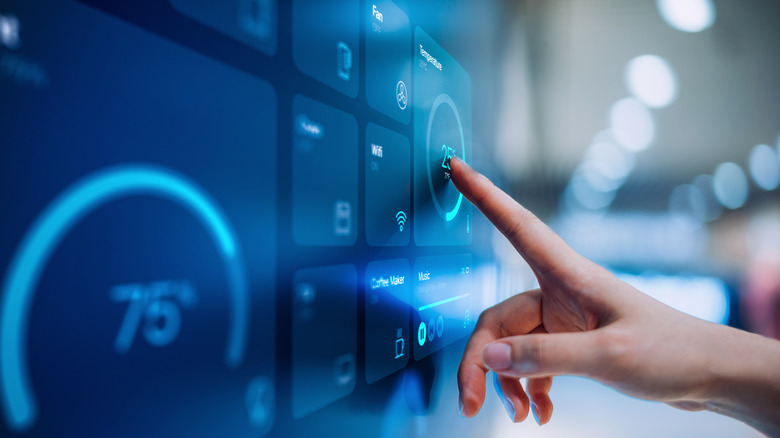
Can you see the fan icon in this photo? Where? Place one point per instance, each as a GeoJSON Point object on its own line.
{"type": "Point", "coordinates": [401, 95]}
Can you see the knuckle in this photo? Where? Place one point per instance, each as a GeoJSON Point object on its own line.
{"type": "Point", "coordinates": [487, 314]}
{"type": "Point", "coordinates": [483, 320]}
{"type": "Point", "coordinates": [489, 317]}
{"type": "Point", "coordinates": [618, 349]}
{"type": "Point", "coordinates": [538, 387]}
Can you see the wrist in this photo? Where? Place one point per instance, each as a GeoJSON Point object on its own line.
{"type": "Point", "coordinates": [745, 378]}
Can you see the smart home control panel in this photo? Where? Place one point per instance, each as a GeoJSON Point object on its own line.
{"type": "Point", "coordinates": [227, 218]}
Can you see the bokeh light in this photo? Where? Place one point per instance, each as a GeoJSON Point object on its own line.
{"type": "Point", "coordinates": [597, 174]}
{"type": "Point", "coordinates": [652, 80]}
{"type": "Point", "coordinates": [687, 15]}
{"type": "Point", "coordinates": [705, 185]}
{"type": "Point", "coordinates": [765, 167]}
{"type": "Point", "coordinates": [632, 124]}
{"type": "Point", "coordinates": [777, 147]}
{"type": "Point", "coordinates": [730, 185]}
{"type": "Point", "coordinates": [617, 162]}
{"type": "Point", "coordinates": [688, 200]}
{"type": "Point", "coordinates": [588, 196]}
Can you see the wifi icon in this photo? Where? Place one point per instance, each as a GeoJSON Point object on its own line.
{"type": "Point", "coordinates": [400, 218]}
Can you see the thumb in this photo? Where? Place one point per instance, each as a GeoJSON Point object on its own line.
{"type": "Point", "coordinates": [536, 355]}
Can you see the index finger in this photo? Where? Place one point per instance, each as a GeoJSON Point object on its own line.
{"type": "Point", "coordinates": [535, 241]}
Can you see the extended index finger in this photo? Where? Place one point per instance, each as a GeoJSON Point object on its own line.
{"type": "Point", "coordinates": [535, 241]}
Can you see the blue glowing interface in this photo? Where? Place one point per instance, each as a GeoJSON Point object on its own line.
{"type": "Point", "coordinates": [442, 301]}
{"type": "Point", "coordinates": [230, 218]}
{"type": "Point", "coordinates": [442, 118]}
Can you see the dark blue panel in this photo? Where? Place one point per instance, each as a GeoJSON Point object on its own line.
{"type": "Point", "coordinates": [442, 302]}
{"type": "Point", "coordinates": [388, 297]}
{"type": "Point", "coordinates": [388, 187]}
{"type": "Point", "coordinates": [324, 345]}
{"type": "Point", "coordinates": [325, 42]}
{"type": "Point", "coordinates": [253, 22]}
{"type": "Point", "coordinates": [325, 174]}
{"type": "Point", "coordinates": [144, 282]}
{"type": "Point", "coordinates": [388, 60]}
{"type": "Point", "coordinates": [442, 128]}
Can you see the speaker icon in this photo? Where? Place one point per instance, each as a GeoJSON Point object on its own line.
{"type": "Point", "coordinates": [400, 219]}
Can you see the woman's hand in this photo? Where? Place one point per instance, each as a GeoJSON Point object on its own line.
{"type": "Point", "coordinates": [584, 321]}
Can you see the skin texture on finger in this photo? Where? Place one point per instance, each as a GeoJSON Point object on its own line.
{"type": "Point", "coordinates": [517, 315]}
{"type": "Point", "coordinates": [541, 355]}
{"type": "Point", "coordinates": [573, 299]}
{"type": "Point", "coordinates": [536, 242]}
{"type": "Point", "coordinates": [538, 390]}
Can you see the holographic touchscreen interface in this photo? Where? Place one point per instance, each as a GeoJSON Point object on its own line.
{"type": "Point", "coordinates": [230, 218]}
{"type": "Point", "coordinates": [442, 129]}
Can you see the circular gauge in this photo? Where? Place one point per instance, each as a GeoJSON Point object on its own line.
{"type": "Point", "coordinates": [444, 140]}
{"type": "Point", "coordinates": [158, 308]}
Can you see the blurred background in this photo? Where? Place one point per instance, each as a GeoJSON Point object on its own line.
{"type": "Point", "coordinates": [647, 134]}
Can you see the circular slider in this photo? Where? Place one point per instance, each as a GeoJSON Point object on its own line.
{"type": "Point", "coordinates": [42, 239]}
{"type": "Point", "coordinates": [444, 140]}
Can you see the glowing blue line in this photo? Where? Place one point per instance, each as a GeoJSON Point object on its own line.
{"type": "Point", "coordinates": [450, 215]}
{"type": "Point", "coordinates": [50, 228]}
{"type": "Point", "coordinates": [439, 303]}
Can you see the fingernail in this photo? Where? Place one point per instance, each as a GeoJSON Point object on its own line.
{"type": "Point", "coordinates": [510, 408]}
{"type": "Point", "coordinates": [497, 356]}
{"type": "Point", "coordinates": [460, 406]}
{"type": "Point", "coordinates": [536, 413]}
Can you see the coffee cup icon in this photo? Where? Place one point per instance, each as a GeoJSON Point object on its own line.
{"type": "Point", "coordinates": [399, 344]}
